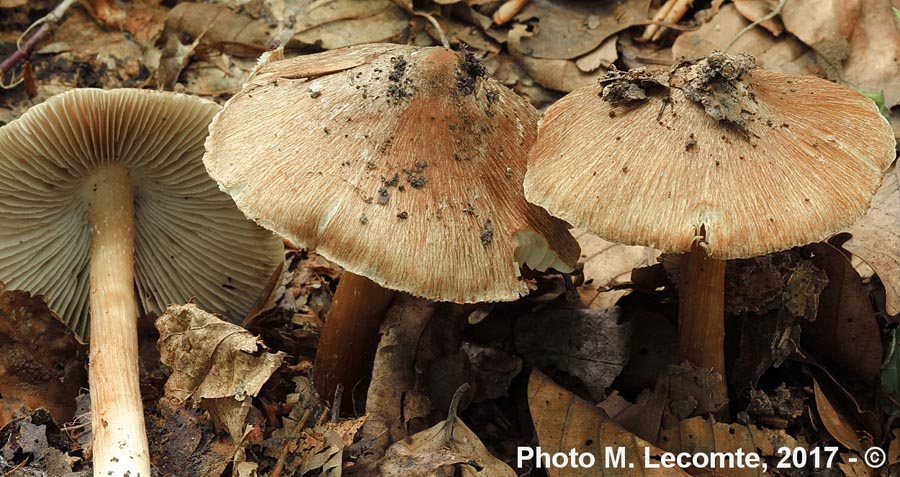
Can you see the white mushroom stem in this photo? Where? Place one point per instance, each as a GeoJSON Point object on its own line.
{"type": "Point", "coordinates": [120, 438]}
{"type": "Point", "coordinates": [350, 336]}
{"type": "Point", "coordinates": [701, 311]}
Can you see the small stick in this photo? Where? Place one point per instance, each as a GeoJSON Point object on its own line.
{"type": "Point", "coordinates": [771, 15]}
{"type": "Point", "coordinates": [659, 17]}
{"type": "Point", "coordinates": [23, 49]}
{"type": "Point", "coordinates": [508, 10]}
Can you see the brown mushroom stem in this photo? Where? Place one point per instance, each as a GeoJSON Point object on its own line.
{"type": "Point", "coordinates": [120, 438]}
{"type": "Point", "coordinates": [350, 336]}
{"type": "Point", "coordinates": [701, 313]}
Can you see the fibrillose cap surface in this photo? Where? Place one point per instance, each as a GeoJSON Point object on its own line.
{"type": "Point", "coordinates": [754, 160]}
{"type": "Point", "coordinates": [401, 164]}
{"type": "Point", "coordinates": [190, 239]}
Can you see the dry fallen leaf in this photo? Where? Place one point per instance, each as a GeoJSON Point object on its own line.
{"type": "Point", "coordinates": [835, 423]}
{"type": "Point", "coordinates": [699, 435]}
{"type": "Point", "coordinates": [755, 10]}
{"type": "Point", "coordinates": [591, 345]}
{"type": "Point", "coordinates": [567, 29]}
{"type": "Point", "coordinates": [216, 363]}
{"type": "Point", "coordinates": [336, 24]}
{"type": "Point", "coordinates": [41, 361]}
{"type": "Point", "coordinates": [608, 264]}
{"type": "Point", "coordinates": [449, 448]}
{"type": "Point", "coordinates": [682, 391]}
{"type": "Point", "coordinates": [846, 330]}
{"type": "Point", "coordinates": [391, 391]}
{"type": "Point", "coordinates": [564, 421]}
{"type": "Point", "coordinates": [876, 238]}
{"type": "Point", "coordinates": [785, 55]}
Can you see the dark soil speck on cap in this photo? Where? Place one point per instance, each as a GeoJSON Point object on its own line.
{"type": "Point", "coordinates": [471, 70]}
{"type": "Point", "coordinates": [403, 215]}
{"type": "Point", "coordinates": [487, 233]}
{"type": "Point", "coordinates": [383, 196]}
{"type": "Point", "coordinates": [416, 177]}
{"type": "Point", "coordinates": [690, 143]}
{"type": "Point", "coordinates": [363, 219]}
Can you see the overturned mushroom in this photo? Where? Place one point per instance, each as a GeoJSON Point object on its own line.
{"type": "Point", "coordinates": [103, 195]}
{"type": "Point", "coordinates": [715, 159]}
{"type": "Point", "coordinates": [401, 164]}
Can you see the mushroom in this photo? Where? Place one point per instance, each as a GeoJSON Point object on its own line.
{"type": "Point", "coordinates": [404, 165]}
{"type": "Point", "coordinates": [103, 196]}
{"type": "Point", "coordinates": [715, 159]}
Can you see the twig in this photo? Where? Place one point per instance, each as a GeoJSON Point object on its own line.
{"type": "Point", "coordinates": [23, 48]}
{"type": "Point", "coordinates": [771, 15]}
{"type": "Point", "coordinates": [508, 10]}
{"type": "Point", "coordinates": [436, 25]}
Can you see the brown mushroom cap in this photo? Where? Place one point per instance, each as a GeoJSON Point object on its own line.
{"type": "Point", "coordinates": [783, 162]}
{"type": "Point", "coordinates": [190, 240]}
{"type": "Point", "coordinates": [399, 163]}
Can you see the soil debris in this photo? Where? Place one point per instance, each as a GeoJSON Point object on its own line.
{"type": "Point", "coordinates": [416, 176]}
{"type": "Point", "coordinates": [472, 69]}
{"type": "Point", "coordinates": [487, 233]}
{"type": "Point", "coordinates": [717, 82]}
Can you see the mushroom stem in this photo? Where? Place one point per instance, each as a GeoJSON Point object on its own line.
{"type": "Point", "coordinates": [350, 336]}
{"type": "Point", "coordinates": [701, 313]}
{"type": "Point", "coordinates": [120, 438]}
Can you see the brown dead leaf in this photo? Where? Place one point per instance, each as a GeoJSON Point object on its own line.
{"type": "Point", "coordinates": [394, 376]}
{"type": "Point", "coordinates": [785, 55]}
{"type": "Point", "coordinates": [856, 41]}
{"type": "Point", "coordinates": [41, 361]}
{"type": "Point", "coordinates": [825, 26]}
{"type": "Point", "coordinates": [835, 423]}
{"type": "Point", "coordinates": [213, 362]}
{"type": "Point", "coordinates": [217, 27]}
{"type": "Point", "coordinates": [449, 448]}
{"type": "Point", "coordinates": [563, 421]}
{"type": "Point", "coordinates": [698, 435]}
{"type": "Point", "coordinates": [853, 466]}
{"type": "Point", "coordinates": [336, 24]}
{"type": "Point", "coordinates": [602, 57]}
{"type": "Point", "coordinates": [609, 264]}
{"type": "Point", "coordinates": [754, 10]}
{"type": "Point", "coordinates": [876, 237]}
{"type": "Point", "coordinates": [567, 29]}
{"type": "Point", "coordinates": [591, 345]}
{"type": "Point", "coordinates": [683, 391]}
{"type": "Point", "coordinates": [846, 329]}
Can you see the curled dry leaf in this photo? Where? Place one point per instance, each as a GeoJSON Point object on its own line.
{"type": "Point", "coordinates": [699, 435]}
{"type": "Point", "coordinates": [591, 345]}
{"type": "Point", "coordinates": [41, 361]}
{"type": "Point", "coordinates": [567, 29]}
{"type": "Point", "coordinates": [564, 421]}
{"type": "Point", "coordinates": [785, 55]}
{"type": "Point", "coordinates": [449, 448]}
{"type": "Point", "coordinates": [846, 329]}
{"type": "Point", "coordinates": [876, 238]}
{"type": "Point", "coordinates": [394, 375]}
{"type": "Point", "coordinates": [213, 362]}
{"type": "Point", "coordinates": [835, 422]}
{"type": "Point", "coordinates": [331, 25]}
{"type": "Point", "coordinates": [683, 391]}
{"type": "Point", "coordinates": [609, 264]}
{"type": "Point", "coordinates": [856, 42]}
{"type": "Point", "coordinates": [755, 10]}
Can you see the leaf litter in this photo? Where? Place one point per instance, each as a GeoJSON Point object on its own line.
{"type": "Point", "coordinates": [807, 329]}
